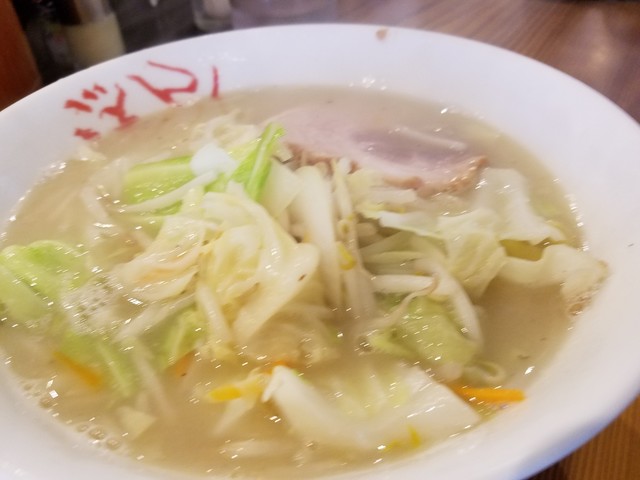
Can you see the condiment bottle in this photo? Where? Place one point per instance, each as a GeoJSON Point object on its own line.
{"type": "Point", "coordinates": [41, 23]}
{"type": "Point", "coordinates": [92, 31]}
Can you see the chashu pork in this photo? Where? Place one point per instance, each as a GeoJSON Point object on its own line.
{"type": "Point", "coordinates": [407, 157]}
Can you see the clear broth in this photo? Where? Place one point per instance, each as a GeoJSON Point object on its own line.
{"type": "Point", "coordinates": [521, 333]}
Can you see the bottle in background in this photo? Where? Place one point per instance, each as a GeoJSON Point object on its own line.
{"type": "Point", "coordinates": [91, 29]}
{"type": "Point", "coordinates": [41, 23]}
{"type": "Point", "coordinates": [19, 74]}
{"type": "Point", "coordinates": [211, 15]}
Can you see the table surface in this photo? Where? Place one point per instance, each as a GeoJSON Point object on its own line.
{"type": "Point", "coordinates": [597, 42]}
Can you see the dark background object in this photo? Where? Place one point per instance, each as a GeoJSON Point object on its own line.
{"type": "Point", "coordinates": [144, 25]}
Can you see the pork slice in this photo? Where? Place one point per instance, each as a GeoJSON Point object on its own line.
{"type": "Point", "coordinates": [406, 157]}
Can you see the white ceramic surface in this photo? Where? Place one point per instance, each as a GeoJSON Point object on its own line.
{"type": "Point", "coordinates": [591, 146]}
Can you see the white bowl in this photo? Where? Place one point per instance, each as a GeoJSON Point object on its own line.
{"type": "Point", "coordinates": [588, 143]}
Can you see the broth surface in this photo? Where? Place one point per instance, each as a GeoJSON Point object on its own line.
{"type": "Point", "coordinates": [522, 327]}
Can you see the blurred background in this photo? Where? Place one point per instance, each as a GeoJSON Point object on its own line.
{"type": "Point", "coordinates": [595, 41]}
{"type": "Point", "coordinates": [138, 24]}
{"type": "Point", "coordinates": [64, 36]}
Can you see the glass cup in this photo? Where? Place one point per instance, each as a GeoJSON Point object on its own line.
{"type": "Point", "coordinates": [252, 13]}
{"type": "Point", "coordinates": [19, 74]}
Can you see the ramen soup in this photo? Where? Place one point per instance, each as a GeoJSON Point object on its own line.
{"type": "Point", "coordinates": [288, 283]}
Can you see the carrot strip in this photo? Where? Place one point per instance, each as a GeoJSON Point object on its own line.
{"type": "Point", "coordinates": [491, 395]}
{"type": "Point", "coordinates": [86, 374]}
{"type": "Point", "coordinates": [181, 366]}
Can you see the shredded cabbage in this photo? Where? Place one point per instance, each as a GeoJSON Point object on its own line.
{"type": "Point", "coordinates": [238, 255]}
{"type": "Point", "coordinates": [254, 266]}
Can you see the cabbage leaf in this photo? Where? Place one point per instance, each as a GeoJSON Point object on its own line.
{"type": "Point", "coordinates": [34, 277]}
{"type": "Point", "coordinates": [98, 353]}
{"type": "Point", "coordinates": [427, 330]}
{"type": "Point", "coordinates": [377, 409]}
{"type": "Point", "coordinates": [20, 303]}
{"type": "Point", "coordinates": [505, 192]}
{"type": "Point", "coordinates": [46, 266]}
{"type": "Point", "coordinates": [577, 272]}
